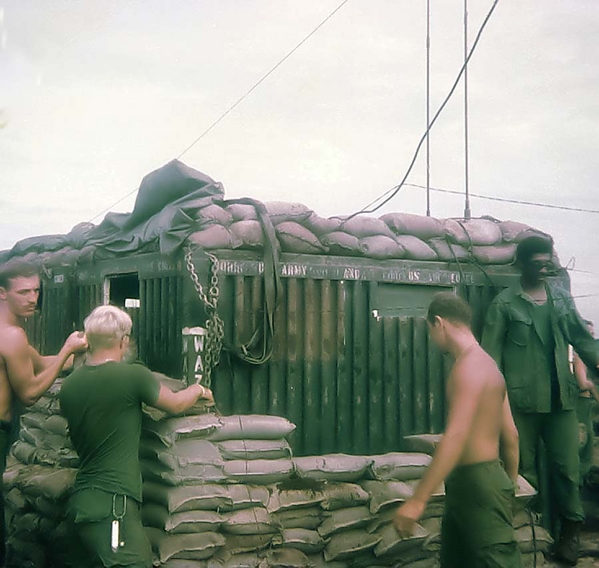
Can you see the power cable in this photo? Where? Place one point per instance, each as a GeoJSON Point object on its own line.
{"type": "Point", "coordinates": [224, 114]}
{"type": "Point", "coordinates": [507, 200]}
{"type": "Point", "coordinates": [390, 194]}
{"type": "Point", "coordinates": [264, 77]}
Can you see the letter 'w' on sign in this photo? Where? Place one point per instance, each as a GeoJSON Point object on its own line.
{"type": "Point", "coordinates": [198, 343]}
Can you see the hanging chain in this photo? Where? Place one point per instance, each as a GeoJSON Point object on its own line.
{"type": "Point", "coordinates": [215, 327]}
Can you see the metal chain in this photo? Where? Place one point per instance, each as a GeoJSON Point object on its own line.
{"type": "Point", "coordinates": [215, 327]}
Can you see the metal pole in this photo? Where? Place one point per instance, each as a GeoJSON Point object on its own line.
{"type": "Point", "coordinates": [467, 211]}
{"type": "Point", "coordinates": [428, 107]}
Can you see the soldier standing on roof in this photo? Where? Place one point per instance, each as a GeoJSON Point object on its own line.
{"type": "Point", "coordinates": [527, 331]}
{"type": "Point", "coordinates": [24, 374]}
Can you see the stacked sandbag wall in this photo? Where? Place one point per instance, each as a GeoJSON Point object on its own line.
{"type": "Point", "coordinates": [226, 492]}
{"type": "Point", "coordinates": [300, 230]}
{"type": "Point", "coordinates": [40, 471]}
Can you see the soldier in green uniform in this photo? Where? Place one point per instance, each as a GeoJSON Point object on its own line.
{"type": "Point", "coordinates": [527, 331]}
{"type": "Point", "coordinates": [102, 404]}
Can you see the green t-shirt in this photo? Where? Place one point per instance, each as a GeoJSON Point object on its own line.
{"type": "Point", "coordinates": [102, 405]}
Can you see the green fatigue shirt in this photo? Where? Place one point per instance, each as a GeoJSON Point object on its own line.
{"type": "Point", "coordinates": [102, 405]}
{"type": "Point", "coordinates": [528, 357]}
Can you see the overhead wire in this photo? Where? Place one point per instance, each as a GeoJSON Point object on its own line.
{"type": "Point", "coordinates": [508, 200]}
{"type": "Point", "coordinates": [233, 106]}
{"type": "Point", "coordinates": [264, 77]}
{"type": "Point", "coordinates": [391, 193]}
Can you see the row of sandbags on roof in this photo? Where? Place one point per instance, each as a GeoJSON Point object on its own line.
{"type": "Point", "coordinates": [226, 492]}
{"type": "Point", "coordinates": [298, 229]}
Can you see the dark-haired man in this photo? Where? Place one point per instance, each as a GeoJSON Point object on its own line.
{"type": "Point", "coordinates": [527, 331]}
{"type": "Point", "coordinates": [477, 529]}
{"type": "Point", "coordinates": [24, 373]}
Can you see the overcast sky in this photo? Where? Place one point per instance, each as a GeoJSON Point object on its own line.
{"type": "Point", "coordinates": [96, 93]}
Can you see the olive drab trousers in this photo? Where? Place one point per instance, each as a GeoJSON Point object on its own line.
{"type": "Point", "coordinates": [559, 432]}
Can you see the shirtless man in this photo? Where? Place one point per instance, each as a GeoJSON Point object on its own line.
{"type": "Point", "coordinates": [24, 373]}
{"type": "Point", "coordinates": [477, 524]}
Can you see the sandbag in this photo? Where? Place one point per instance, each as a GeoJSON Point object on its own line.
{"type": "Point", "coordinates": [238, 544]}
{"type": "Point", "coordinates": [344, 519]}
{"type": "Point", "coordinates": [251, 427]}
{"type": "Point", "coordinates": [386, 493]}
{"type": "Point", "coordinates": [205, 496]}
{"type": "Point", "coordinates": [364, 226]}
{"type": "Point", "coordinates": [423, 443]}
{"type": "Point", "coordinates": [281, 212]}
{"type": "Point", "coordinates": [57, 425]}
{"type": "Point", "coordinates": [242, 212]}
{"type": "Point", "coordinates": [542, 541]}
{"type": "Point", "coordinates": [510, 230]}
{"type": "Point", "coordinates": [171, 430]}
{"type": "Point", "coordinates": [332, 467]}
{"type": "Point", "coordinates": [260, 472]}
{"type": "Point", "coordinates": [381, 247]}
{"type": "Point", "coordinates": [184, 453]}
{"type": "Point", "coordinates": [469, 232]}
{"type": "Point", "coordinates": [246, 496]}
{"type": "Point", "coordinates": [341, 243]}
{"type": "Point", "coordinates": [420, 226]}
{"type": "Point", "coordinates": [309, 518]}
{"type": "Point", "coordinates": [448, 251]}
{"type": "Point", "coordinates": [256, 520]}
{"type": "Point", "coordinates": [340, 495]}
{"type": "Point", "coordinates": [321, 226]}
{"type": "Point", "coordinates": [497, 254]}
{"type": "Point", "coordinates": [42, 243]}
{"type": "Point", "coordinates": [309, 542]}
{"type": "Point", "coordinates": [210, 563]}
{"type": "Point", "coordinates": [285, 558]}
{"type": "Point", "coordinates": [297, 239]}
{"type": "Point", "coordinates": [199, 546]}
{"type": "Point", "coordinates": [349, 543]}
{"type": "Point", "coordinates": [415, 249]}
{"type": "Point", "coordinates": [254, 449]}
{"type": "Point", "coordinates": [66, 256]}
{"type": "Point", "coordinates": [52, 483]}
{"type": "Point", "coordinates": [228, 560]}
{"type": "Point", "coordinates": [214, 214]}
{"type": "Point", "coordinates": [214, 237]}
{"type": "Point", "coordinates": [399, 466]}
{"type": "Point", "coordinates": [159, 517]}
{"type": "Point", "coordinates": [285, 499]}
{"type": "Point", "coordinates": [392, 544]}
{"type": "Point", "coordinates": [248, 234]}
{"type": "Point", "coordinates": [184, 475]}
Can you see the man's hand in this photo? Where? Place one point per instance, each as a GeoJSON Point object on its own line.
{"type": "Point", "coordinates": [75, 342]}
{"type": "Point", "coordinates": [206, 394]}
{"type": "Point", "coordinates": [407, 516]}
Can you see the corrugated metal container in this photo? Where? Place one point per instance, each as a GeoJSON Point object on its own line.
{"type": "Point", "coordinates": [352, 365]}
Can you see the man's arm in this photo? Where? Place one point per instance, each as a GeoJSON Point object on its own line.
{"type": "Point", "coordinates": [28, 385]}
{"type": "Point", "coordinates": [177, 402]}
{"type": "Point", "coordinates": [509, 449]}
{"type": "Point", "coordinates": [464, 396]}
{"type": "Point", "coordinates": [41, 362]}
{"type": "Point", "coordinates": [494, 332]}
{"type": "Point", "coordinates": [581, 339]}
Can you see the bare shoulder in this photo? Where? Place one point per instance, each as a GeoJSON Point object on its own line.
{"type": "Point", "coordinates": [12, 339]}
{"type": "Point", "coordinates": [478, 367]}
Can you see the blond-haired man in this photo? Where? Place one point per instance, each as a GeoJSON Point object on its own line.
{"type": "Point", "coordinates": [102, 402]}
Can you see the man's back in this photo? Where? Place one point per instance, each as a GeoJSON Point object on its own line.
{"type": "Point", "coordinates": [476, 367]}
{"type": "Point", "coordinates": [102, 405]}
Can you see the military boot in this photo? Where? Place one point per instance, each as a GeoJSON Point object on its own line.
{"type": "Point", "coordinates": [567, 548]}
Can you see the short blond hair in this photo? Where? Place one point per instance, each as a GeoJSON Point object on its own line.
{"type": "Point", "coordinates": [106, 326]}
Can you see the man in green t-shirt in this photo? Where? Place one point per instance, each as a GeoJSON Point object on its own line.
{"type": "Point", "coordinates": [102, 402]}
{"type": "Point", "coordinates": [527, 331]}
